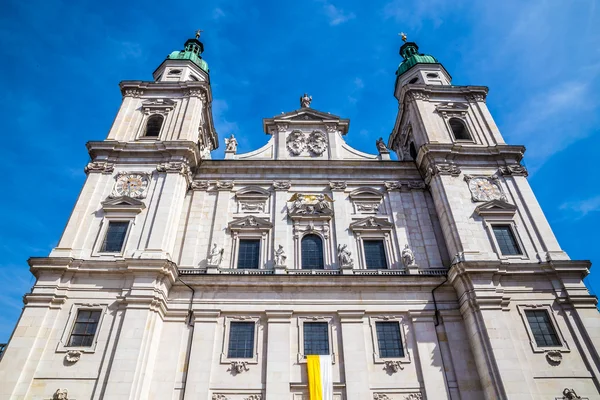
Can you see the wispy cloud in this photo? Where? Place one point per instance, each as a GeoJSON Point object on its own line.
{"type": "Point", "coordinates": [581, 208]}
{"type": "Point", "coordinates": [218, 13]}
{"type": "Point", "coordinates": [415, 14]}
{"type": "Point", "coordinates": [355, 91]}
{"type": "Point", "coordinates": [336, 15]}
{"type": "Point", "coordinates": [224, 126]}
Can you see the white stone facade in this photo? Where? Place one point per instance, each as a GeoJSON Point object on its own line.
{"type": "Point", "coordinates": [168, 298]}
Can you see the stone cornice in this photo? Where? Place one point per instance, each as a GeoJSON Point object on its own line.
{"type": "Point", "coordinates": [336, 170]}
{"type": "Point", "coordinates": [129, 265]}
{"type": "Point", "coordinates": [148, 152]}
{"type": "Point", "coordinates": [142, 88]}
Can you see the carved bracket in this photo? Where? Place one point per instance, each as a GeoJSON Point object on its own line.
{"type": "Point", "coordinates": [393, 366]}
{"type": "Point", "coordinates": [515, 170]}
{"type": "Point", "coordinates": [237, 367]}
{"type": "Point", "coordinates": [99, 166]}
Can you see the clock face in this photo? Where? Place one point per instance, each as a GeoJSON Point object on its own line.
{"type": "Point", "coordinates": [484, 190]}
{"type": "Point", "coordinates": [132, 185]}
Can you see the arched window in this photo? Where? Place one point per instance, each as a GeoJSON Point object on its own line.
{"type": "Point", "coordinates": [459, 130]}
{"type": "Point", "coordinates": [312, 252]}
{"type": "Point", "coordinates": [153, 125]}
{"type": "Point", "coordinates": [413, 151]}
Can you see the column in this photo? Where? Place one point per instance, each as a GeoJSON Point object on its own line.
{"type": "Point", "coordinates": [278, 354]}
{"type": "Point", "coordinates": [429, 355]}
{"type": "Point", "coordinates": [201, 362]}
{"type": "Point", "coordinates": [355, 355]}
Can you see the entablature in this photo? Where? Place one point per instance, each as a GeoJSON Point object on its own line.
{"type": "Point", "coordinates": [145, 152]}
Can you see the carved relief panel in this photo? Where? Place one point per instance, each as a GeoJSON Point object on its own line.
{"type": "Point", "coordinates": [367, 201]}
{"type": "Point", "coordinates": [252, 200]}
{"type": "Point", "coordinates": [308, 143]}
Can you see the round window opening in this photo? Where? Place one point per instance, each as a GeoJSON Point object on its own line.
{"type": "Point", "coordinates": [432, 75]}
{"type": "Point", "coordinates": [413, 80]}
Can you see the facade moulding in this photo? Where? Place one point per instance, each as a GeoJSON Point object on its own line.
{"type": "Point", "coordinates": [144, 152]}
{"type": "Point", "coordinates": [142, 88]}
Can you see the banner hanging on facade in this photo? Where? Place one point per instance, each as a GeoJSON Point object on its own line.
{"type": "Point", "coordinates": [320, 380]}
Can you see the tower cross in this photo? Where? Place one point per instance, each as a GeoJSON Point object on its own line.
{"type": "Point", "coordinates": [198, 32]}
{"type": "Point", "coordinates": [403, 36]}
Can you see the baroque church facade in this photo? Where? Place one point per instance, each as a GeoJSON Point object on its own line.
{"type": "Point", "coordinates": [434, 276]}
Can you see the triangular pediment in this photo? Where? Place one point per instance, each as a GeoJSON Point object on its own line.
{"type": "Point", "coordinates": [251, 223]}
{"type": "Point", "coordinates": [496, 207]}
{"type": "Point", "coordinates": [306, 114]}
{"type": "Point", "coordinates": [123, 204]}
{"type": "Point", "coordinates": [371, 223]}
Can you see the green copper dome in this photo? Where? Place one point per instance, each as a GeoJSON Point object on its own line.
{"type": "Point", "coordinates": [410, 52]}
{"type": "Point", "coordinates": [193, 50]}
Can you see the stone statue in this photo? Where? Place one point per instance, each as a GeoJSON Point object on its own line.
{"type": "Point", "coordinates": [61, 394]}
{"type": "Point", "coordinates": [569, 394]}
{"type": "Point", "coordinates": [408, 257]}
{"type": "Point", "coordinates": [322, 203]}
{"type": "Point", "coordinates": [215, 256]}
{"type": "Point", "coordinates": [280, 256]}
{"type": "Point", "coordinates": [231, 144]}
{"type": "Point", "coordinates": [299, 202]}
{"type": "Point", "coordinates": [381, 147]}
{"type": "Point", "coordinates": [344, 256]}
{"type": "Point", "coordinates": [305, 100]}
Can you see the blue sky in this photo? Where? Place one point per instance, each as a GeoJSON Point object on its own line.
{"type": "Point", "coordinates": [62, 61]}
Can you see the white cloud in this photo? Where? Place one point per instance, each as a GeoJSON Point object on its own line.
{"type": "Point", "coordinates": [359, 83]}
{"type": "Point", "coordinates": [582, 207]}
{"type": "Point", "coordinates": [413, 15]}
{"type": "Point", "coordinates": [336, 15]}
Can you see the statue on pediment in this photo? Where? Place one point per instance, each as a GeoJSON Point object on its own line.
{"type": "Point", "coordinates": [408, 257]}
{"type": "Point", "coordinates": [381, 147]}
{"type": "Point", "coordinates": [319, 204]}
{"type": "Point", "coordinates": [305, 101]}
{"type": "Point", "coordinates": [280, 256]}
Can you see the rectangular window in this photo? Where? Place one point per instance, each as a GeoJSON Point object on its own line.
{"type": "Point", "coordinates": [316, 338]}
{"type": "Point", "coordinates": [542, 329]}
{"type": "Point", "coordinates": [115, 237]}
{"type": "Point", "coordinates": [249, 254]}
{"type": "Point", "coordinates": [389, 340]}
{"type": "Point", "coordinates": [241, 340]}
{"type": "Point", "coordinates": [84, 329]}
{"type": "Point", "coordinates": [506, 240]}
{"type": "Point", "coordinates": [375, 254]}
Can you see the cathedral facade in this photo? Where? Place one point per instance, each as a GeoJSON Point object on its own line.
{"type": "Point", "coordinates": [434, 276]}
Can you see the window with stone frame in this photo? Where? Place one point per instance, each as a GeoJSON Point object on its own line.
{"type": "Point", "coordinates": [542, 328]}
{"type": "Point", "coordinates": [84, 328]}
{"type": "Point", "coordinates": [249, 254]}
{"type": "Point", "coordinates": [506, 240]}
{"type": "Point", "coordinates": [389, 340]}
{"type": "Point", "coordinates": [316, 338]}
{"type": "Point", "coordinates": [154, 125]}
{"type": "Point", "coordinates": [115, 236]}
{"type": "Point", "coordinates": [312, 252]}
{"type": "Point", "coordinates": [241, 340]}
{"type": "Point", "coordinates": [459, 129]}
{"type": "Point", "coordinates": [375, 257]}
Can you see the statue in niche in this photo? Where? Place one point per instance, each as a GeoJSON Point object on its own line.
{"type": "Point", "coordinates": [344, 256]}
{"type": "Point", "coordinates": [215, 256]}
{"type": "Point", "coordinates": [408, 257]}
{"type": "Point", "coordinates": [280, 256]}
{"type": "Point", "coordinates": [381, 147]}
{"type": "Point", "coordinates": [231, 144]}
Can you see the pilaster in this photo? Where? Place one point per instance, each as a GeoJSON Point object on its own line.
{"type": "Point", "coordinates": [355, 355]}
{"type": "Point", "coordinates": [202, 354]}
{"type": "Point", "coordinates": [281, 229]}
{"type": "Point", "coordinates": [342, 220]}
{"type": "Point", "coordinates": [278, 354]}
{"type": "Point", "coordinates": [430, 355]}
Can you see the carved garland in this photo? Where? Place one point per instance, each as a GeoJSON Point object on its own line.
{"type": "Point", "coordinates": [99, 166]}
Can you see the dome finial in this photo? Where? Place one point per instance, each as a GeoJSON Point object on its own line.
{"type": "Point", "coordinates": [198, 32]}
{"type": "Point", "coordinates": [403, 36]}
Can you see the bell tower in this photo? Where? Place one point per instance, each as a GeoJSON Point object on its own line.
{"type": "Point", "coordinates": [496, 233]}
